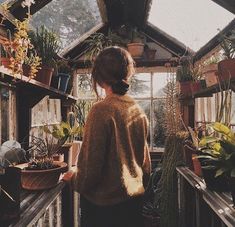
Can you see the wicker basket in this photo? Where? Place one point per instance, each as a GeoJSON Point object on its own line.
{"type": "Point", "coordinates": [41, 179]}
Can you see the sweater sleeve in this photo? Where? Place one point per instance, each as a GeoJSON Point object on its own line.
{"type": "Point", "coordinates": [92, 154]}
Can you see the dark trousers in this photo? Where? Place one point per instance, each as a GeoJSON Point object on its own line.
{"type": "Point", "coordinates": [126, 214]}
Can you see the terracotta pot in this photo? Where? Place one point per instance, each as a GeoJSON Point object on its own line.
{"type": "Point", "coordinates": [41, 179]}
{"type": "Point", "coordinates": [5, 62]}
{"type": "Point", "coordinates": [226, 69]}
{"type": "Point", "coordinates": [10, 182]}
{"type": "Point", "coordinates": [188, 153]}
{"type": "Point", "coordinates": [44, 75]}
{"type": "Point", "coordinates": [197, 166]}
{"type": "Point", "coordinates": [210, 73]}
{"type": "Point", "coordinates": [196, 86]}
{"type": "Point", "coordinates": [185, 87]}
{"type": "Point", "coordinates": [136, 49]}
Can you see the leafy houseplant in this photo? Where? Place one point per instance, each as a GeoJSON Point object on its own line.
{"type": "Point", "coordinates": [47, 45]}
{"type": "Point", "coordinates": [137, 43]}
{"type": "Point", "coordinates": [42, 172]}
{"type": "Point", "coordinates": [218, 152]}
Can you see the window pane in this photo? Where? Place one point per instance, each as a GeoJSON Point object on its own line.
{"type": "Point", "coordinates": [158, 123]}
{"type": "Point", "coordinates": [140, 85]}
{"type": "Point", "coordinates": [70, 19]}
{"type": "Point", "coordinates": [159, 83]}
{"type": "Point", "coordinates": [145, 105]}
{"type": "Point", "coordinates": [192, 22]}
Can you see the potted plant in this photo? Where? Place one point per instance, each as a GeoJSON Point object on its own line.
{"type": "Point", "coordinates": [226, 67]}
{"type": "Point", "coordinates": [41, 171]}
{"type": "Point", "coordinates": [47, 46]}
{"type": "Point", "coordinates": [210, 71]}
{"type": "Point", "coordinates": [184, 77]}
{"type": "Point", "coordinates": [99, 41]}
{"type": "Point", "coordinates": [64, 74]}
{"type": "Point", "coordinates": [218, 157]}
{"type": "Point", "coordinates": [136, 45]}
{"type": "Point", "coordinates": [66, 132]}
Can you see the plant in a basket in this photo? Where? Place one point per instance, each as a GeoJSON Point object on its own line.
{"type": "Point", "coordinates": [226, 67]}
{"type": "Point", "coordinates": [218, 158]}
{"type": "Point", "coordinates": [47, 45]}
{"type": "Point", "coordinates": [10, 155]}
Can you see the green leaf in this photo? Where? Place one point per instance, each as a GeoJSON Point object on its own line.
{"type": "Point", "coordinates": [207, 140]}
{"type": "Point", "coordinates": [221, 128]}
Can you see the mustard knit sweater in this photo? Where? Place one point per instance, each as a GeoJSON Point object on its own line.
{"type": "Point", "coordinates": [114, 163]}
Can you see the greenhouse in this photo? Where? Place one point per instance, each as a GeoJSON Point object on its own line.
{"type": "Point", "coordinates": [117, 113]}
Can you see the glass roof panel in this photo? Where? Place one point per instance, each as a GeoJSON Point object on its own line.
{"type": "Point", "coordinates": [192, 22]}
{"type": "Point", "coordinates": [70, 19]}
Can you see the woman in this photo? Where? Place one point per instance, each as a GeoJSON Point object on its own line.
{"type": "Point", "coordinates": [114, 165]}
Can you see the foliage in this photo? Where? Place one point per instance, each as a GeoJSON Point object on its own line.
{"type": "Point", "coordinates": [228, 45]}
{"type": "Point", "coordinates": [218, 149]}
{"type": "Point", "coordinates": [186, 71]}
{"type": "Point", "coordinates": [214, 59]}
{"type": "Point", "coordinates": [41, 151]}
{"type": "Point", "coordinates": [18, 47]}
{"type": "Point", "coordinates": [46, 44]}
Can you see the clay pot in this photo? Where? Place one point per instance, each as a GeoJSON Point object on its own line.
{"type": "Point", "coordinates": [210, 73]}
{"type": "Point", "coordinates": [44, 75]}
{"type": "Point", "coordinates": [136, 49]}
{"type": "Point", "coordinates": [226, 69]}
{"type": "Point", "coordinates": [41, 179]}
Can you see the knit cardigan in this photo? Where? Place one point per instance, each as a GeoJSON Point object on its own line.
{"type": "Point", "coordinates": [114, 162]}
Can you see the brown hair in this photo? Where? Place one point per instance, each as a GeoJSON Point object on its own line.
{"type": "Point", "coordinates": [113, 66]}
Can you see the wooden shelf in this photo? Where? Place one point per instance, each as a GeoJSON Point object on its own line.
{"type": "Point", "coordinates": [32, 85]}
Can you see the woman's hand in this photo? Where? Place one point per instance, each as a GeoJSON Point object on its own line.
{"type": "Point", "coordinates": [67, 177]}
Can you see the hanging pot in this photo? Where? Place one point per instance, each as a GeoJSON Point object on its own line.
{"type": "Point", "coordinates": [136, 49]}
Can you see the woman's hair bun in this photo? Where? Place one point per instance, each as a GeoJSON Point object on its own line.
{"type": "Point", "coordinates": [120, 87]}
